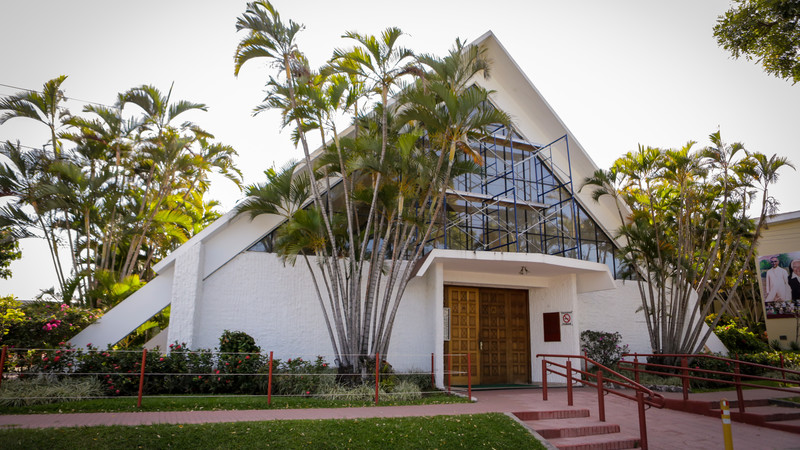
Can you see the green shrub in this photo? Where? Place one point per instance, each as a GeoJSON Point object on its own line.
{"type": "Point", "coordinates": [239, 354]}
{"type": "Point", "coordinates": [710, 364]}
{"type": "Point", "coordinates": [603, 347]}
{"type": "Point", "coordinates": [358, 393]}
{"type": "Point", "coordinates": [738, 339]}
{"type": "Point", "coordinates": [768, 358]}
{"type": "Point", "coordinates": [40, 390]}
{"type": "Point", "coordinates": [417, 376]}
{"type": "Point", "coordinates": [406, 390]}
{"type": "Point", "coordinates": [790, 360]}
{"type": "Point", "coordinates": [297, 376]}
{"type": "Point", "coordinates": [182, 361]}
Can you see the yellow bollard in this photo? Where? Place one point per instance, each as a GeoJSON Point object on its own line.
{"type": "Point", "coordinates": [726, 424]}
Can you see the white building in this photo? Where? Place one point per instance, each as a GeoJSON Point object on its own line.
{"type": "Point", "coordinates": [537, 269]}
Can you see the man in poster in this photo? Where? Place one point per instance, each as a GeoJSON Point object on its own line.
{"type": "Point", "coordinates": [777, 283]}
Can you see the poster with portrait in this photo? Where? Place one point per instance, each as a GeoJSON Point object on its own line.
{"type": "Point", "coordinates": [780, 283]}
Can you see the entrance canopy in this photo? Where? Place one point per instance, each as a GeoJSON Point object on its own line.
{"type": "Point", "coordinates": [516, 269]}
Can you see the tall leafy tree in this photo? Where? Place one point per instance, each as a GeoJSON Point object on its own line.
{"type": "Point", "coordinates": [121, 190]}
{"type": "Point", "coordinates": [9, 251]}
{"type": "Point", "coordinates": [767, 31]}
{"type": "Point", "coordinates": [378, 189]}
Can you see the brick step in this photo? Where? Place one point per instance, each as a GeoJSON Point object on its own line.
{"type": "Point", "coordinates": [565, 431]}
{"type": "Point", "coordinates": [556, 414]}
{"type": "Point", "coordinates": [598, 442]}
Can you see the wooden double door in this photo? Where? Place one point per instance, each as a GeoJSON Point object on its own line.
{"type": "Point", "coordinates": [493, 327]}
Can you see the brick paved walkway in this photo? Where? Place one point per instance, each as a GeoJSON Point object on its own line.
{"type": "Point", "coordinates": [666, 429]}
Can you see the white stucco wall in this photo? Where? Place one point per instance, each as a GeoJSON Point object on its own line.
{"type": "Point", "coordinates": [274, 304]}
{"type": "Point", "coordinates": [619, 310]}
{"type": "Point", "coordinates": [560, 296]}
{"type": "Point", "coordinates": [277, 306]}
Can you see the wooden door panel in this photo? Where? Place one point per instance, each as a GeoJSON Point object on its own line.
{"type": "Point", "coordinates": [464, 322]}
{"type": "Point", "coordinates": [520, 342]}
{"type": "Point", "coordinates": [494, 336]}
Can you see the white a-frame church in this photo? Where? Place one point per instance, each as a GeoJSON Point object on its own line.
{"type": "Point", "coordinates": [527, 263]}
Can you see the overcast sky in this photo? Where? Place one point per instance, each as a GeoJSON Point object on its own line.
{"type": "Point", "coordinates": [618, 73]}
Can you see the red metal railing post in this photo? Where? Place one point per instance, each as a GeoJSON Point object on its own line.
{"type": "Point", "coordinates": [685, 377]}
{"type": "Point", "coordinates": [269, 382]}
{"type": "Point", "coordinates": [544, 379]}
{"type": "Point", "coordinates": [738, 380]}
{"type": "Point", "coordinates": [569, 382]}
{"type": "Point", "coordinates": [782, 369]}
{"type": "Point", "coordinates": [449, 371]}
{"type": "Point", "coordinates": [636, 367]}
{"type": "Point", "coordinates": [377, 375]}
{"type": "Point", "coordinates": [433, 373]}
{"type": "Point", "coordinates": [600, 397]}
{"type": "Point", "coordinates": [3, 362]}
{"type": "Point", "coordinates": [642, 420]}
{"type": "Point", "coordinates": [585, 362]}
{"type": "Point", "coordinates": [141, 378]}
{"type": "Point", "coordinates": [469, 377]}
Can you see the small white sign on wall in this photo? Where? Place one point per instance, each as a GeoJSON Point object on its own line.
{"type": "Point", "coordinates": [566, 318]}
{"type": "Point", "coordinates": [446, 315]}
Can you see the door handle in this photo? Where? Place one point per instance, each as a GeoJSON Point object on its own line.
{"type": "Point", "coordinates": [480, 345]}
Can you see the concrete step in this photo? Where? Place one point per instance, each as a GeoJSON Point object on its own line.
{"type": "Point", "coordinates": [734, 404]}
{"type": "Point", "coordinates": [598, 442]}
{"type": "Point", "coordinates": [771, 413]}
{"type": "Point", "coordinates": [784, 403]}
{"type": "Point", "coordinates": [556, 414]}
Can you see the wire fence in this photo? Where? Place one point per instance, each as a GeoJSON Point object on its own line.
{"type": "Point", "coordinates": [184, 373]}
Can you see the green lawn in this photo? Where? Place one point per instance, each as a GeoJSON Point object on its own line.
{"type": "Point", "coordinates": [186, 403]}
{"type": "Point", "coordinates": [466, 431]}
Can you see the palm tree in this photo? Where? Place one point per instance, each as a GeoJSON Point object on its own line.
{"type": "Point", "coordinates": [455, 116]}
{"type": "Point", "coordinates": [383, 186]}
{"type": "Point", "coordinates": [45, 107]}
{"type": "Point", "coordinates": [21, 179]}
{"type": "Point", "coordinates": [687, 231]}
{"type": "Point", "coordinates": [167, 157]}
{"type": "Point", "coordinates": [105, 142]}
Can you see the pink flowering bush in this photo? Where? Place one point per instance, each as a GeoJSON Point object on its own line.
{"type": "Point", "coordinates": [45, 324]}
{"type": "Point", "coordinates": [603, 347]}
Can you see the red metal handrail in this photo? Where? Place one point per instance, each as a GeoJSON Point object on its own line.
{"type": "Point", "coordinates": [687, 373]}
{"type": "Point", "coordinates": [653, 398]}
